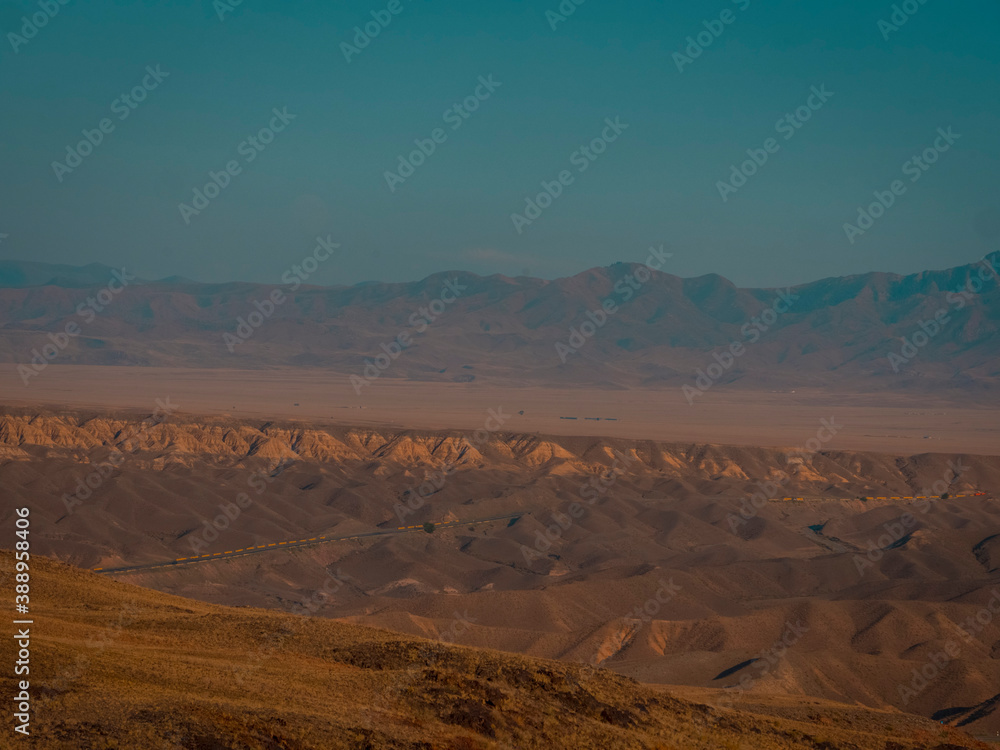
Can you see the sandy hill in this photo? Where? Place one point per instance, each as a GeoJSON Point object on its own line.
{"type": "Point", "coordinates": [672, 575]}
{"type": "Point", "coordinates": [118, 666]}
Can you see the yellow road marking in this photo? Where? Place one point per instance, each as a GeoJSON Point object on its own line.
{"type": "Point", "coordinates": [229, 552]}
{"type": "Point", "coordinates": [272, 545]}
{"type": "Point", "coordinates": [98, 568]}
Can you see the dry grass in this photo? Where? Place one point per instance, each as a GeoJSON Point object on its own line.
{"type": "Point", "coordinates": [117, 666]}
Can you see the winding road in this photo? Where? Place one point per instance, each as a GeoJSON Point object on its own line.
{"type": "Point", "coordinates": [274, 546]}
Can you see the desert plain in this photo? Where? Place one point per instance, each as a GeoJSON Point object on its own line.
{"type": "Point", "coordinates": [820, 549]}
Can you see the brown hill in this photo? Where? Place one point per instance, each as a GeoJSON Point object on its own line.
{"type": "Point", "coordinates": [113, 665]}
{"type": "Point", "coordinates": [874, 588]}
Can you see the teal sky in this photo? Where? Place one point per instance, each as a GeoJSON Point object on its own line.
{"type": "Point", "coordinates": [655, 184]}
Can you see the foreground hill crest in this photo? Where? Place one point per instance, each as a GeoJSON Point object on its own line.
{"type": "Point", "coordinates": [189, 675]}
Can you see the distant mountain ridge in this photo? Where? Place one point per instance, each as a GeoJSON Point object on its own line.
{"type": "Point", "coordinates": [622, 325]}
{"type": "Point", "coordinates": [19, 274]}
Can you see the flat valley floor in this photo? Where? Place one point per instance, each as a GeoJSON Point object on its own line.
{"type": "Point", "coordinates": [723, 415]}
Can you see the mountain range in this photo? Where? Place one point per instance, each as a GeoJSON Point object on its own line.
{"type": "Point", "coordinates": [619, 326]}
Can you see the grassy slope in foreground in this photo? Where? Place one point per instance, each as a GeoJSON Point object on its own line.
{"type": "Point", "coordinates": [117, 666]}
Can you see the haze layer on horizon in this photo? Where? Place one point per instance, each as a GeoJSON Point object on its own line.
{"type": "Point", "coordinates": [414, 134]}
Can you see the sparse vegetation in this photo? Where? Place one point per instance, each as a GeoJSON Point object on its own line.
{"type": "Point", "coordinates": [206, 676]}
{"type": "Point", "coordinates": [403, 584]}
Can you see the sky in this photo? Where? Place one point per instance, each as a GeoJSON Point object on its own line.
{"type": "Point", "coordinates": [700, 157]}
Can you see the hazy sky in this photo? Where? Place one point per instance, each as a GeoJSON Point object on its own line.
{"type": "Point", "coordinates": [656, 182]}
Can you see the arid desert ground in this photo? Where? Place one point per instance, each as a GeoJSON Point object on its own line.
{"type": "Point", "coordinates": [728, 415]}
{"type": "Point", "coordinates": [814, 556]}
{"type": "Point", "coordinates": [551, 375]}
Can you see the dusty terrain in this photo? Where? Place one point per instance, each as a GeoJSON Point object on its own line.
{"type": "Point", "coordinates": [669, 563]}
{"type": "Point", "coordinates": [116, 665]}
{"type": "Point", "coordinates": [813, 536]}
{"type": "Point", "coordinates": [886, 422]}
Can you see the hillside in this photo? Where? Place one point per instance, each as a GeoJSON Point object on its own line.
{"type": "Point", "coordinates": [114, 665]}
{"type": "Point", "coordinates": [876, 585]}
